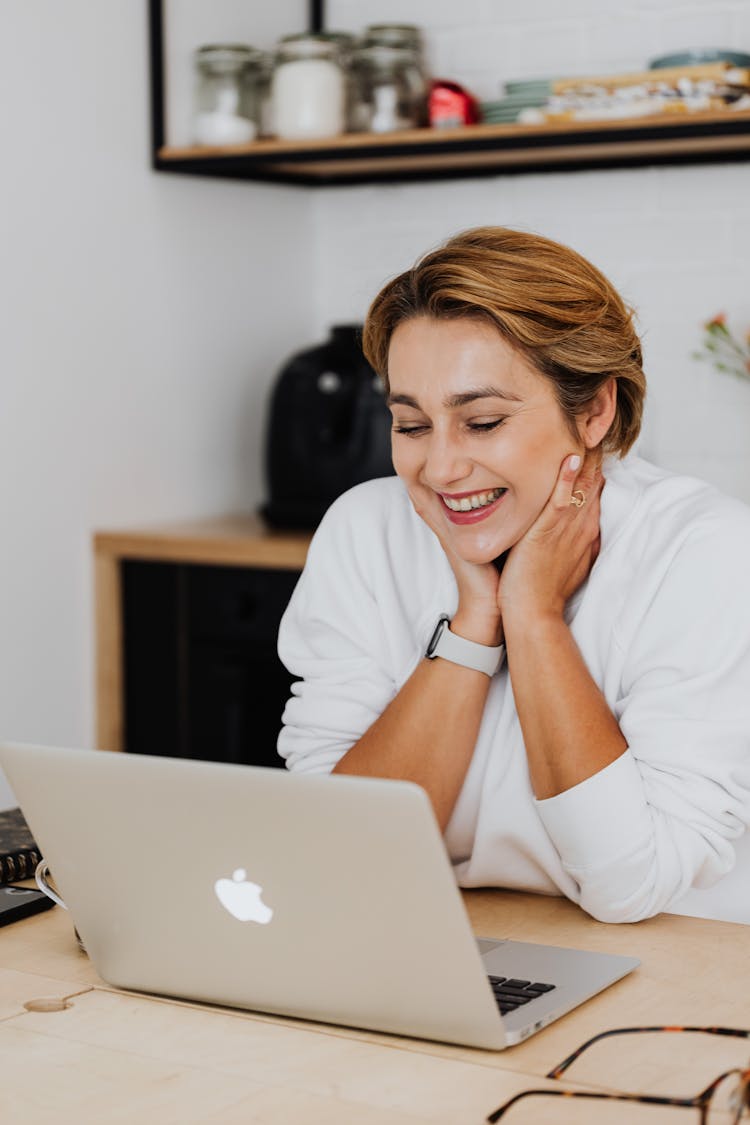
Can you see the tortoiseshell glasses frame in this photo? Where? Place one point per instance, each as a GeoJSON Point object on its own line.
{"type": "Point", "coordinates": [701, 1101]}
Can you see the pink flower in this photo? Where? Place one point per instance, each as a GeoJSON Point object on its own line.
{"type": "Point", "coordinates": [723, 350]}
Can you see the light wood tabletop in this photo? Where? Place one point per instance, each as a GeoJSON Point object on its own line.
{"type": "Point", "coordinates": [76, 1050]}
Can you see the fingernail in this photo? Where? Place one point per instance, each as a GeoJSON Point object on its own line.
{"type": "Point", "coordinates": [574, 462]}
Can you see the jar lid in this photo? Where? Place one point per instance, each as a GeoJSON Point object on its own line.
{"type": "Point", "coordinates": [405, 28]}
{"type": "Point", "coordinates": [227, 55]}
{"type": "Point", "coordinates": [395, 34]}
{"type": "Point", "coordinates": [345, 38]}
{"type": "Point", "coordinates": [385, 54]}
{"type": "Point", "coordinates": [308, 45]}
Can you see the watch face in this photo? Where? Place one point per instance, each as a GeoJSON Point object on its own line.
{"type": "Point", "coordinates": [441, 625]}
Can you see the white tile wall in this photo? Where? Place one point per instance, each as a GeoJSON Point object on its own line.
{"type": "Point", "coordinates": [675, 240]}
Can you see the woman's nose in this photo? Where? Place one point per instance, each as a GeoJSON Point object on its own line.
{"type": "Point", "coordinates": [445, 464]}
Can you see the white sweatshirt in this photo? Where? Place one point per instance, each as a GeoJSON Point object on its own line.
{"type": "Point", "coordinates": [663, 624]}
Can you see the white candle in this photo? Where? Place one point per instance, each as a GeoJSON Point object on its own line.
{"type": "Point", "coordinates": [308, 99]}
{"type": "Point", "coordinates": [224, 125]}
{"type": "Point", "coordinates": [219, 128]}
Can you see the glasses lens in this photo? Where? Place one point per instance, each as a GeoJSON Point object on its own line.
{"type": "Point", "coordinates": [663, 1063]}
{"type": "Point", "coordinates": [659, 1064]}
{"type": "Point", "coordinates": [588, 1111]}
{"type": "Point", "coordinates": [729, 1104]}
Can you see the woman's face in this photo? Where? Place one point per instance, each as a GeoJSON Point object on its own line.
{"type": "Point", "coordinates": [478, 433]}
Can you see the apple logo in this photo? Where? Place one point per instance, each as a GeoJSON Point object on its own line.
{"type": "Point", "coordinates": [242, 898]}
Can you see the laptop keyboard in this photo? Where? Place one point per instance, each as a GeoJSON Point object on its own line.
{"type": "Point", "coordinates": [511, 994]}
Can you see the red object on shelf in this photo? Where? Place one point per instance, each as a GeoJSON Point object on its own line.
{"type": "Point", "coordinates": [450, 105]}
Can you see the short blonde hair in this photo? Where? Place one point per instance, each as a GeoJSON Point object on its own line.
{"type": "Point", "coordinates": [546, 300]}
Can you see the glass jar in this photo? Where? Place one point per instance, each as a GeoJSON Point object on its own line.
{"type": "Point", "coordinates": [264, 75]}
{"type": "Point", "coordinates": [395, 35]}
{"type": "Point", "coordinates": [383, 90]}
{"type": "Point", "coordinates": [308, 90]}
{"type": "Point", "coordinates": [225, 98]}
{"type": "Point", "coordinates": [346, 43]}
{"type": "Point", "coordinates": [409, 38]}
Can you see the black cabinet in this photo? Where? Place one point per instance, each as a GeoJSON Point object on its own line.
{"type": "Point", "coordinates": [201, 677]}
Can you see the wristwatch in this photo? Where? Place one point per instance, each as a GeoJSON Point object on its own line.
{"type": "Point", "coordinates": [482, 658]}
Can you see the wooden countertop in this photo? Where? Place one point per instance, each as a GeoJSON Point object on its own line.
{"type": "Point", "coordinates": [239, 540]}
{"type": "Point", "coordinates": [113, 1056]}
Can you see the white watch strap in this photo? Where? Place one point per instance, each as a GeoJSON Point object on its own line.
{"type": "Point", "coordinates": [470, 654]}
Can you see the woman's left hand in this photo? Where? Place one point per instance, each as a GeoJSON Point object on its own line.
{"type": "Point", "coordinates": [555, 556]}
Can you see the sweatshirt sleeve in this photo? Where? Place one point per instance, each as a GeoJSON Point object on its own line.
{"type": "Point", "coordinates": [662, 818]}
{"type": "Point", "coordinates": [331, 639]}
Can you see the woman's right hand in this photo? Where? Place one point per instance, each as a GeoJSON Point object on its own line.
{"type": "Point", "coordinates": [477, 617]}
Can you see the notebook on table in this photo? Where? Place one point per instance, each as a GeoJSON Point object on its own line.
{"type": "Point", "coordinates": [327, 898]}
{"type": "Point", "coordinates": [19, 853]}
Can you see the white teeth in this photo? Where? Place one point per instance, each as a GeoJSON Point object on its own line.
{"type": "Point", "coordinates": [478, 500]}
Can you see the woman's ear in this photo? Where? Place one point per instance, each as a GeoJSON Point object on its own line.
{"type": "Point", "coordinates": [594, 422]}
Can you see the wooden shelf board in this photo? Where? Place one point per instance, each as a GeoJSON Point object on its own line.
{"type": "Point", "coordinates": [225, 541]}
{"type": "Point", "coordinates": [474, 149]}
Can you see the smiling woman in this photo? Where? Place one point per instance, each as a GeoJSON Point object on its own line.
{"type": "Point", "coordinates": [529, 621]}
{"type": "Point", "coordinates": [506, 439]}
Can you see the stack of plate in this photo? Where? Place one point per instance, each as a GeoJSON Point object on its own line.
{"type": "Point", "coordinates": [697, 57]}
{"type": "Point", "coordinates": [530, 93]}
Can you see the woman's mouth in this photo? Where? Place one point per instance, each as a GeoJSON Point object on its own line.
{"type": "Point", "coordinates": [470, 507]}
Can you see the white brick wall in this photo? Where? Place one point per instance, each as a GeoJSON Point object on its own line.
{"type": "Point", "coordinates": [675, 240]}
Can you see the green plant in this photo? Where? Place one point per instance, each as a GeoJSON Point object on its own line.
{"type": "Point", "coordinates": [722, 349]}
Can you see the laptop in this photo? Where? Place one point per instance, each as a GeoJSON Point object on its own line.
{"type": "Point", "coordinates": [326, 898]}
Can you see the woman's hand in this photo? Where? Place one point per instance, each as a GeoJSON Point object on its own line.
{"type": "Point", "coordinates": [556, 554]}
{"type": "Point", "coordinates": [477, 616]}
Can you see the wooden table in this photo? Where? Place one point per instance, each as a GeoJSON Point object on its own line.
{"type": "Point", "coordinates": [94, 1054]}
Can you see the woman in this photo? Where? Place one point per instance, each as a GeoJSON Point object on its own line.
{"type": "Point", "coordinates": [582, 724]}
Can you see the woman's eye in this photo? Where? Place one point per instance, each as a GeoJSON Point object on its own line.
{"type": "Point", "coordinates": [409, 430]}
{"type": "Point", "coordinates": [485, 427]}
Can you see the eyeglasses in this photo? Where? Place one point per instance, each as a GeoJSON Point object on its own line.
{"type": "Point", "coordinates": [726, 1099]}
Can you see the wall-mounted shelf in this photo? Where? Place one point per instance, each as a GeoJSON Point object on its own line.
{"type": "Point", "coordinates": [473, 151]}
{"type": "Point", "coordinates": [477, 150]}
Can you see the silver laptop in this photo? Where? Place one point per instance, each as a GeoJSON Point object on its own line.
{"type": "Point", "coordinates": [327, 898]}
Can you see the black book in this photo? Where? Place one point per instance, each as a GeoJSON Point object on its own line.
{"type": "Point", "coordinates": [19, 854]}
